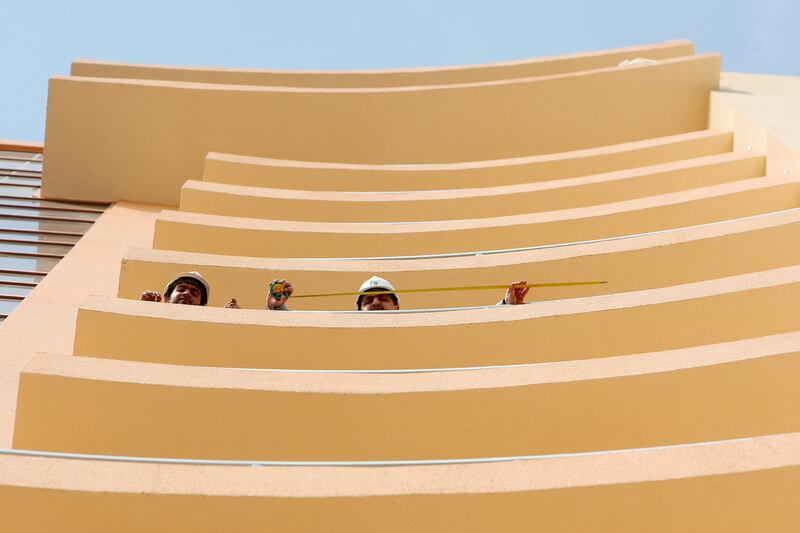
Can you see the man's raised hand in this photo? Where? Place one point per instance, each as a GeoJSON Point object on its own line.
{"type": "Point", "coordinates": [150, 296]}
{"type": "Point", "coordinates": [515, 295]}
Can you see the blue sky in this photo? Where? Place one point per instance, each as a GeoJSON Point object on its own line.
{"type": "Point", "coordinates": [40, 39]}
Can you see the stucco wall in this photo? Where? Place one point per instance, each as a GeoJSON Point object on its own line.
{"type": "Point", "coordinates": [609, 353]}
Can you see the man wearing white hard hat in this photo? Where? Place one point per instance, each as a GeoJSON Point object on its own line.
{"type": "Point", "coordinates": [384, 300]}
{"type": "Point", "coordinates": [187, 288]}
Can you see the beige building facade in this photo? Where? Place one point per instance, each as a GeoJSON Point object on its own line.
{"type": "Point", "coordinates": [664, 399]}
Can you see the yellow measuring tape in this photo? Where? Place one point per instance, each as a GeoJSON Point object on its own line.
{"type": "Point", "coordinates": [469, 288]}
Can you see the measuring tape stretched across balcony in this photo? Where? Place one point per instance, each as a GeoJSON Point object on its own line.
{"type": "Point", "coordinates": [467, 288]}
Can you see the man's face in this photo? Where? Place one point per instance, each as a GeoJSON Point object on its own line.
{"type": "Point", "coordinates": [378, 302]}
{"type": "Point", "coordinates": [186, 293]}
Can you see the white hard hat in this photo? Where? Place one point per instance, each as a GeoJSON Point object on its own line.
{"type": "Point", "coordinates": [374, 284]}
{"type": "Point", "coordinates": [193, 276]}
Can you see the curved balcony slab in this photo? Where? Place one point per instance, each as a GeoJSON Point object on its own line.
{"type": "Point", "coordinates": [316, 176]}
{"type": "Point", "coordinates": [737, 486]}
{"type": "Point", "coordinates": [674, 257]}
{"type": "Point", "coordinates": [708, 393]}
{"type": "Point", "coordinates": [214, 234]}
{"type": "Point", "coordinates": [323, 206]}
{"type": "Point", "coordinates": [155, 134]}
{"type": "Point", "coordinates": [544, 66]}
{"type": "Point", "coordinates": [721, 310]}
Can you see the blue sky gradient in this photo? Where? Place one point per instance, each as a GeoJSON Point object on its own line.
{"type": "Point", "coordinates": [40, 39]}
